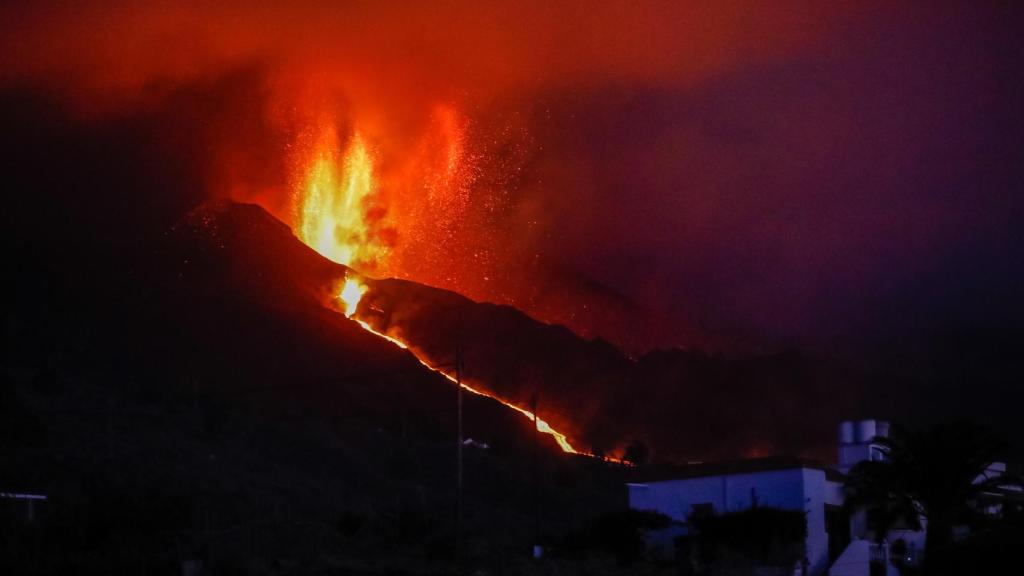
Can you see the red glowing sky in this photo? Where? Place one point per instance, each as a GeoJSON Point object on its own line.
{"type": "Point", "coordinates": [698, 173]}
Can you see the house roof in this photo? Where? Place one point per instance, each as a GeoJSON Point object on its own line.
{"type": "Point", "coordinates": [730, 467]}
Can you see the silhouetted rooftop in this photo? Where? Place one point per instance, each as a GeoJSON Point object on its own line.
{"type": "Point", "coordinates": [731, 467]}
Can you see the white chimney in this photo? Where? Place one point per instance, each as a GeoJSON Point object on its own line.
{"type": "Point", "coordinates": [865, 431]}
{"type": "Point", "coordinates": [846, 432]}
{"type": "Point", "coordinates": [856, 441]}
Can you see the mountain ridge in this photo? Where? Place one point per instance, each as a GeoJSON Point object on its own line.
{"type": "Point", "coordinates": [600, 397]}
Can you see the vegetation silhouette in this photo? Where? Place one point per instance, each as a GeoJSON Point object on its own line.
{"type": "Point", "coordinates": [937, 474]}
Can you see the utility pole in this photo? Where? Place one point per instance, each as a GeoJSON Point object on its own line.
{"type": "Point", "coordinates": [110, 426]}
{"type": "Point", "coordinates": [458, 471]}
{"type": "Point", "coordinates": [538, 551]}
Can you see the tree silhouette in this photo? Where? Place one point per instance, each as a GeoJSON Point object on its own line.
{"type": "Point", "coordinates": [637, 453]}
{"type": "Point", "coordinates": [872, 485]}
{"type": "Point", "coordinates": [936, 473]}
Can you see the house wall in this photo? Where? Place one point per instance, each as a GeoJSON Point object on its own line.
{"type": "Point", "coordinates": [676, 498]}
{"type": "Point", "coordinates": [816, 493]}
{"type": "Point", "coordinates": [835, 493]}
{"type": "Point", "coordinates": [794, 489]}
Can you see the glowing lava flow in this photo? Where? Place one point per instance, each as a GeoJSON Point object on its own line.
{"type": "Point", "coordinates": [350, 295]}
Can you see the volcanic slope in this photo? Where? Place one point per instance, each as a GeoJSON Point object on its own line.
{"type": "Point", "coordinates": [294, 331]}
{"type": "Point", "coordinates": [682, 404]}
{"type": "Point", "coordinates": [205, 401]}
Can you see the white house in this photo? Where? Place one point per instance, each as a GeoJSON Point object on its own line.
{"type": "Point", "coordinates": [790, 484]}
{"type": "Point", "coordinates": [836, 541]}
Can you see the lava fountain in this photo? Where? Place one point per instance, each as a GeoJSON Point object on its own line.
{"type": "Point", "coordinates": [337, 206]}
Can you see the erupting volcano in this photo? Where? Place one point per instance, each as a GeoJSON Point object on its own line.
{"type": "Point", "coordinates": [370, 223]}
{"type": "Point", "coordinates": [340, 215]}
{"type": "Point", "coordinates": [429, 287]}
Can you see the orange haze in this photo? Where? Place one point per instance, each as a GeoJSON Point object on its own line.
{"type": "Point", "coordinates": [397, 137]}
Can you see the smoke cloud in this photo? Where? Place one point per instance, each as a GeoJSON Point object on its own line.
{"type": "Point", "coordinates": [724, 175]}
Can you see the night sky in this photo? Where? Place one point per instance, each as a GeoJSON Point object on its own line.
{"type": "Point", "coordinates": [734, 177]}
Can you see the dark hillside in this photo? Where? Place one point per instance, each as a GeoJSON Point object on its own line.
{"type": "Point", "coordinates": [187, 404]}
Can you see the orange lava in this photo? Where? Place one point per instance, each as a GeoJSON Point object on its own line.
{"type": "Point", "coordinates": [337, 212]}
{"type": "Point", "coordinates": [350, 295]}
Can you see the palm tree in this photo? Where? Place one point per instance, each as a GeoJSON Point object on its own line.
{"type": "Point", "coordinates": [935, 473]}
{"type": "Point", "coordinates": [873, 487]}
